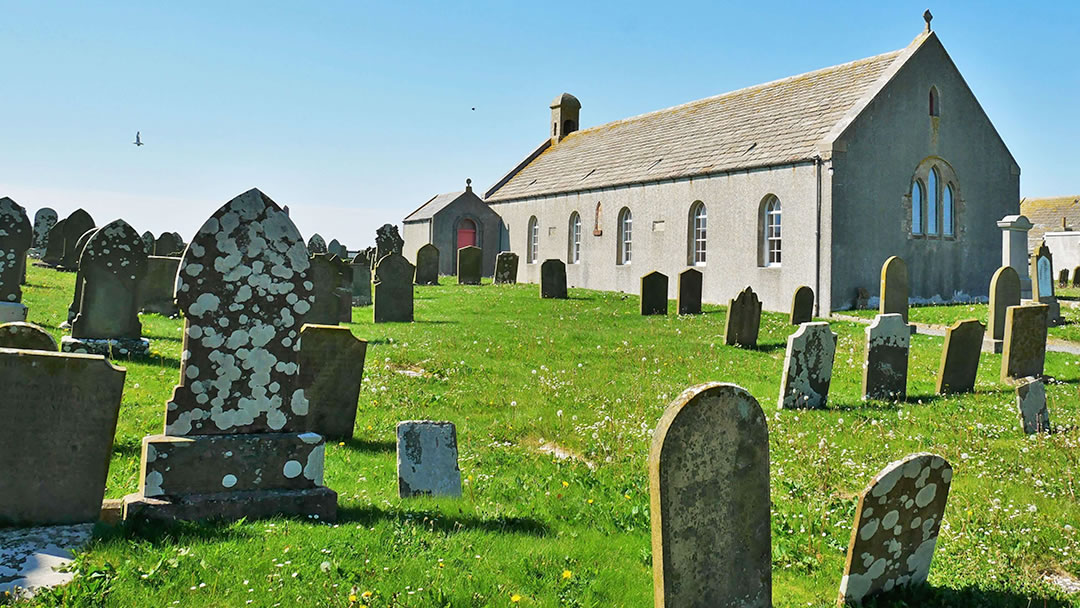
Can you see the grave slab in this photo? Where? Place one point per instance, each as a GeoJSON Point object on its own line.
{"type": "Point", "coordinates": [1031, 402]}
{"type": "Point", "coordinates": [427, 459]}
{"type": "Point", "coordinates": [30, 558]}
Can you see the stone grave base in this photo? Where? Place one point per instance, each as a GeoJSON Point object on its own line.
{"type": "Point", "coordinates": [29, 556]}
{"type": "Point", "coordinates": [44, 265]}
{"type": "Point", "coordinates": [11, 312]}
{"type": "Point", "coordinates": [316, 503]}
{"type": "Point", "coordinates": [117, 347]}
{"type": "Point", "coordinates": [999, 346]}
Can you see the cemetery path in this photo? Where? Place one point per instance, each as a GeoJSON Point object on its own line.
{"type": "Point", "coordinates": [1052, 344]}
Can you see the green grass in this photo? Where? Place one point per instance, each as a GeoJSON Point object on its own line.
{"type": "Point", "coordinates": [515, 372]}
{"type": "Point", "coordinates": [947, 315]}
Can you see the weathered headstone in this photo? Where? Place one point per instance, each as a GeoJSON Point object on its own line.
{"type": "Point", "coordinates": [113, 264]}
{"type": "Point", "coordinates": [427, 265]}
{"type": "Point", "coordinates": [331, 368]}
{"type": "Point", "coordinates": [743, 320]}
{"type": "Point", "coordinates": [1063, 277]}
{"type": "Point", "coordinates": [149, 242]}
{"type": "Point", "coordinates": [316, 244]}
{"type": "Point", "coordinates": [506, 267]}
{"type": "Point", "coordinates": [387, 241]}
{"type": "Point", "coordinates": [1076, 277]}
{"type": "Point", "coordinates": [59, 414]}
{"type": "Point", "coordinates": [709, 497]}
{"type": "Point", "coordinates": [76, 300]}
{"type": "Point", "coordinates": [158, 284]}
{"type": "Point", "coordinates": [1024, 353]}
{"type": "Point", "coordinates": [802, 305]}
{"type": "Point", "coordinates": [427, 459]}
{"type": "Point", "coordinates": [54, 245]}
{"type": "Point", "coordinates": [1004, 292]}
{"type": "Point", "coordinates": [75, 225]}
{"type": "Point", "coordinates": [470, 265]}
{"type": "Point", "coordinates": [361, 279]}
{"type": "Point", "coordinates": [886, 365]}
{"type": "Point", "coordinates": [688, 301]}
{"type": "Point", "coordinates": [16, 236]}
{"type": "Point", "coordinates": [327, 275]}
{"type": "Point", "coordinates": [553, 279]}
{"type": "Point", "coordinates": [168, 245]}
{"type": "Point", "coordinates": [44, 220]}
{"type": "Point", "coordinates": [896, 527]}
{"type": "Point", "coordinates": [654, 288]}
{"type": "Point", "coordinates": [334, 247]}
{"type": "Point", "coordinates": [1031, 402]}
{"type": "Point", "coordinates": [960, 357]}
{"type": "Point", "coordinates": [1042, 283]}
{"type": "Point", "coordinates": [181, 245]}
{"type": "Point", "coordinates": [894, 287]}
{"type": "Point", "coordinates": [235, 442]}
{"type": "Point", "coordinates": [26, 336]}
{"type": "Point", "coordinates": [808, 367]}
{"type": "Point", "coordinates": [393, 286]}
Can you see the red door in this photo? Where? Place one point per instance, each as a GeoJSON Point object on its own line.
{"type": "Point", "coordinates": [466, 234]}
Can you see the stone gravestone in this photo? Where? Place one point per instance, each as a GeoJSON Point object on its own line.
{"type": "Point", "coordinates": [506, 267]}
{"type": "Point", "coordinates": [235, 442]}
{"type": "Point", "coordinates": [16, 236]}
{"type": "Point", "coordinates": [1031, 401]}
{"type": "Point", "coordinates": [361, 280]}
{"type": "Point", "coordinates": [427, 265]}
{"type": "Point", "coordinates": [393, 286]}
{"type": "Point", "coordinates": [168, 245]}
{"type": "Point", "coordinates": [427, 459]}
{"type": "Point", "coordinates": [180, 244]}
{"type": "Point", "coordinates": [344, 289]}
{"type": "Point", "coordinates": [59, 414]}
{"type": "Point", "coordinates": [75, 226]}
{"type": "Point", "coordinates": [26, 336]}
{"type": "Point", "coordinates": [334, 248]}
{"type": "Point", "coordinates": [112, 266]}
{"type": "Point", "coordinates": [331, 367]}
{"type": "Point", "coordinates": [896, 527]}
{"type": "Point", "coordinates": [709, 497]}
{"type": "Point", "coordinates": [470, 265]}
{"type": "Point", "coordinates": [553, 279]}
{"type": "Point", "coordinates": [44, 220]}
{"type": "Point", "coordinates": [1042, 283]}
{"type": "Point", "coordinates": [1063, 277]}
{"type": "Point", "coordinates": [808, 367]}
{"type": "Point", "coordinates": [802, 305]}
{"type": "Point", "coordinates": [326, 274]}
{"type": "Point", "coordinates": [1014, 249]}
{"type": "Point", "coordinates": [54, 245]}
{"type": "Point", "coordinates": [1024, 353]}
{"type": "Point", "coordinates": [886, 366]}
{"type": "Point", "coordinates": [149, 242]}
{"type": "Point", "coordinates": [894, 287]}
{"type": "Point", "coordinates": [387, 241]}
{"type": "Point", "coordinates": [76, 300]}
{"type": "Point", "coordinates": [960, 357]}
{"type": "Point", "coordinates": [1076, 277]}
{"type": "Point", "coordinates": [316, 244]}
{"type": "Point", "coordinates": [654, 288]}
{"type": "Point", "coordinates": [689, 298]}
{"type": "Point", "coordinates": [1004, 292]}
{"type": "Point", "coordinates": [743, 320]}
{"type": "Point", "coordinates": [158, 284]}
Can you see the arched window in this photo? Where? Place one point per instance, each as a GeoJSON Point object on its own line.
{"type": "Point", "coordinates": [569, 127]}
{"type": "Point", "coordinates": [626, 229]}
{"type": "Point", "coordinates": [698, 228]}
{"type": "Point", "coordinates": [771, 242]}
{"type": "Point", "coordinates": [931, 201]}
{"type": "Point", "coordinates": [534, 241]}
{"type": "Point", "coordinates": [947, 211]}
{"type": "Point", "coordinates": [916, 207]}
{"type": "Point", "coordinates": [573, 252]}
{"type": "Point", "coordinates": [935, 106]}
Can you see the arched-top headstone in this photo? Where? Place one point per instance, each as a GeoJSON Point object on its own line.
{"type": "Point", "coordinates": [361, 279]}
{"type": "Point", "coordinates": [244, 290]}
{"type": "Point", "coordinates": [743, 320]}
{"type": "Point", "coordinates": [654, 288]}
{"type": "Point", "coordinates": [896, 527]}
{"type": "Point", "coordinates": [506, 268]}
{"type": "Point", "coordinates": [1042, 281]}
{"type": "Point", "coordinates": [327, 276]}
{"type": "Point", "coordinates": [808, 366]}
{"type": "Point", "coordinates": [1063, 277]}
{"type": "Point", "coordinates": [553, 279]}
{"type": "Point", "coordinates": [44, 220]}
{"type": "Point", "coordinates": [332, 246]}
{"type": "Point", "coordinates": [338, 249]}
{"type": "Point", "coordinates": [26, 336]}
{"type": "Point", "coordinates": [470, 265]}
{"type": "Point", "coordinates": [1076, 277]}
{"type": "Point", "coordinates": [894, 287]}
{"type": "Point", "coordinates": [16, 236]}
{"type": "Point", "coordinates": [316, 244]}
{"type": "Point", "coordinates": [76, 300]}
{"type": "Point", "coordinates": [394, 289]}
{"type": "Point", "coordinates": [148, 242]}
{"type": "Point", "coordinates": [709, 497]}
{"type": "Point", "coordinates": [427, 265]}
{"type": "Point", "coordinates": [54, 245]}
{"type": "Point", "coordinates": [960, 356]}
{"type": "Point", "coordinates": [80, 245]}
{"type": "Point", "coordinates": [113, 263]}
{"type": "Point", "coordinates": [167, 245]}
{"type": "Point", "coordinates": [1004, 292]}
{"type": "Point", "coordinates": [689, 298]}
{"type": "Point", "coordinates": [75, 226]}
{"type": "Point", "coordinates": [802, 305]}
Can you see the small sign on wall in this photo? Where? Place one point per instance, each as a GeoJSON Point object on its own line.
{"type": "Point", "coordinates": [658, 226]}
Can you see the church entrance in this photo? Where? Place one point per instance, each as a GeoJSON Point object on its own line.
{"type": "Point", "coordinates": [466, 234]}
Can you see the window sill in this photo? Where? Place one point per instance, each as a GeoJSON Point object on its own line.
{"type": "Point", "coordinates": [770, 267]}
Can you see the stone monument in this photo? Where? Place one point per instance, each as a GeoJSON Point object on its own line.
{"type": "Point", "coordinates": [553, 279]}
{"type": "Point", "coordinates": [427, 265]}
{"type": "Point", "coordinates": [393, 286]}
{"type": "Point", "coordinates": [506, 267]}
{"type": "Point", "coordinates": [1004, 292]}
{"type": "Point", "coordinates": [156, 291]}
{"type": "Point", "coordinates": [331, 368]}
{"type": "Point", "coordinates": [316, 244]}
{"type": "Point", "coordinates": [960, 357]}
{"type": "Point", "coordinates": [26, 336]}
{"type": "Point", "coordinates": [886, 366]}
{"type": "Point", "coordinates": [802, 305]}
{"type": "Point", "coordinates": [75, 225]}
{"type": "Point", "coordinates": [808, 367]}
{"type": "Point", "coordinates": [1024, 353]}
{"type": "Point", "coordinates": [654, 288]}
{"type": "Point", "coordinates": [16, 236]}
{"type": "Point", "coordinates": [689, 298]}
{"type": "Point", "coordinates": [1031, 402]}
{"type": "Point", "coordinates": [361, 279]}
{"type": "Point", "coordinates": [1014, 248]}
{"type": "Point", "coordinates": [1042, 283]}
{"type": "Point", "coordinates": [44, 220]}
{"type": "Point", "coordinates": [743, 320]}
{"type": "Point", "coordinates": [894, 287]}
{"type": "Point", "coordinates": [427, 459]}
{"type": "Point", "coordinates": [470, 264]}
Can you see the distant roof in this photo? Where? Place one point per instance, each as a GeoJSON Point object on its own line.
{"type": "Point", "coordinates": [436, 204]}
{"type": "Point", "coordinates": [768, 124]}
{"type": "Point", "coordinates": [1047, 213]}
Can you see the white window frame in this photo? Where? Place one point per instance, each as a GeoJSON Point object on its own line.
{"type": "Point", "coordinates": [772, 235]}
{"type": "Point", "coordinates": [626, 234]}
{"type": "Point", "coordinates": [574, 253]}
{"type": "Point", "coordinates": [534, 241]}
{"type": "Point", "coordinates": [699, 233]}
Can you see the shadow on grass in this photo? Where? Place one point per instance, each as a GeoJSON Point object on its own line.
{"type": "Point", "coordinates": [942, 597]}
{"type": "Point", "coordinates": [364, 445]}
{"type": "Point", "coordinates": [435, 520]}
{"type": "Point", "coordinates": [127, 445]}
{"type": "Point", "coordinates": [175, 532]}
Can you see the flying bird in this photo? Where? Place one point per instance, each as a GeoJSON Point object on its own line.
{"type": "Point", "coordinates": [138, 139]}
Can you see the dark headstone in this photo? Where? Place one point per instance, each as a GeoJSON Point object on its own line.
{"type": "Point", "coordinates": [54, 245]}
{"type": "Point", "coordinates": [75, 226]}
{"type": "Point", "coordinates": [393, 286]}
{"type": "Point", "coordinates": [16, 236]}
{"type": "Point", "coordinates": [470, 264]}
{"type": "Point", "coordinates": [331, 367]}
{"type": "Point", "coordinates": [1024, 353]}
{"type": "Point", "coordinates": [327, 276]}
{"type": "Point", "coordinates": [387, 241]}
{"type": "Point", "coordinates": [26, 336]}
{"type": "Point", "coordinates": [168, 245]}
{"type": "Point", "coordinates": [149, 242]}
{"type": "Point", "coordinates": [506, 267]}
{"type": "Point", "coordinates": [1031, 402]}
{"type": "Point", "coordinates": [802, 305]}
{"type": "Point", "coordinates": [1063, 277]}
{"type": "Point", "coordinates": [427, 265]}
{"type": "Point", "coordinates": [960, 357]}
{"type": "Point", "coordinates": [361, 280]}
{"type": "Point", "coordinates": [743, 320]}
{"type": "Point", "coordinates": [44, 220]}
{"type": "Point", "coordinates": [654, 288]}
{"type": "Point", "coordinates": [1076, 277]}
{"type": "Point", "coordinates": [689, 300]}
{"type": "Point", "coordinates": [886, 366]}
{"type": "Point", "coordinates": [316, 244]}
{"type": "Point", "coordinates": [553, 279]}
{"type": "Point", "coordinates": [156, 291]}
{"type": "Point", "coordinates": [76, 300]}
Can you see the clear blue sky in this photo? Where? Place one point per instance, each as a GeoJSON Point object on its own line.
{"type": "Point", "coordinates": [355, 114]}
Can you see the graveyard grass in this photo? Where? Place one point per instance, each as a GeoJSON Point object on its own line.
{"type": "Point", "coordinates": [519, 375]}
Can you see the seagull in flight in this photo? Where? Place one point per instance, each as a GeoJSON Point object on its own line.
{"type": "Point", "coordinates": [138, 139]}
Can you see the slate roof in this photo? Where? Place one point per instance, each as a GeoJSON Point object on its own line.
{"type": "Point", "coordinates": [1046, 215]}
{"type": "Point", "coordinates": [768, 124]}
{"type": "Point", "coordinates": [436, 204]}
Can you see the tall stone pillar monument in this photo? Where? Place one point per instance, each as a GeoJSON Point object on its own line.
{"type": "Point", "coordinates": [1014, 248]}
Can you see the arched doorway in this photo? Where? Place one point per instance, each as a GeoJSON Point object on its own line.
{"type": "Point", "coordinates": [466, 234]}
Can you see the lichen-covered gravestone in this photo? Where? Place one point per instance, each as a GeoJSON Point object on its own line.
{"type": "Point", "coordinates": [112, 266]}
{"type": "Point", "coordinates": [894, 287]}
{"type": "Point", "coordinates": [158, 284]}
{"type": "Point", "coordinates": [427, 459]}
{"type": "Point", "coordinates": [331, 368]}
{"type": "Point", "coordinates": [168, 245]}
{"type": "Point", "coordinates": [59, 412]}
{"type": "Point", "coordinates": [316, 244]}
{"type": "Point", "coordinates": [26, 336]}
{"type": "Point", "coordinates": [76, 300]}
{"type": "Point", "coordinates": [808, 367]}
{"type": "Point", "coordinates": [886, 365]}
{"type": "Point", "coordinates": [393, 287]}
{"type": "Point", "coordinates": [506, 267]}
{"type": "Point", "coordinates": [553, 279]}
{"type": "Point", "coordinates": [33, 558]}
{"type": "Point", "coordinates": [236, 442]}
{"type": "Point", "coordinates": [387, 241]}
{"type": "Point", "coordinates": [654, 288]}
{"type": "Point", "coordinates": [960, 357]}
{"type": "Point", "coordinates": [1031, 402]}
{"type": "Point", "coordinates": [427, 265]}
{"type": "Point", "coordinates": [743, 320]}
{"type": "Point", "coordinates": [1024, 353]}
{"type": "Point", "coordinates": [470, 263]}
{"type": "Point", "coordinates": [44, 220]}
{"type": "Point", "coordinates": [54, 245]}
{"type": "Point", "coordinates": [326, 274]}
{"type": "Point", "coordinates": [896, 527]}
{"type": "Point", "coordinates": [1004, 292]}
{"type": "Point", "coordinates": [1063, 277]}
{"type": "Point", "coordinates": [361, 279]}
{"type": "Point", "coordinates": [688, 301]}
{"type": "Point", "coordinates": [149, 242]}
{"type": "Point", "coordinates": [75, 225]}
{"type": "Point", "coordinates": [802, 305]}
{"type": "Point", "coordinates": [16, 236]}
{"type": "Point", "coordinates": [709, 497]}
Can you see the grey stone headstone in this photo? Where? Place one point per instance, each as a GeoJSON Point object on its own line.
{"type": "Point", "coordinates": [76, 300]}
{"type": "Point", "coordinates": [361, 280]}
{"type": "Point", "coordinates": [156, 291]}
{"type": "Point", "coordinates": [689, 299]}
{"type": "Point", "coordinates": [54, 245]}
{"type": "Point", "coordinates": [506, 267]}
{"type": "Point", "coordinates": [168, 245]}
{"type": "Point", "coordinates": [743, 320]}
{"type": "Point", "coordinates": [26, 336]}
{"type": "Point", "coordinates": [470, 265]}
{"type": "Point", "coordinates": [802, 305]}
{"type": "Point", "coordinates": [427, 265]}
{"type": "Point", "coordinates": [331, 368]}
{"type": "Point", "coordinates": [1031, 402]}
{"type": "Point", "coordinates": [894, 287]}
{"type": "Point", "coordinates": [112, 266]}
{"type": "Point", "coordinates": [710, 509]}
{"type": "Point", "coordinates": [1024, 353]}
{"type": "Point", "coordinates": [808, 367]}
{"type": "Point", "coordinates": [1004, 292]}
{"type": "Point", "coordinates": [16, 236]}
{"type": "Point", "coordinates": [896, 527]}
{"type": "Point", "coordinates": [327, 275]}
{"type": "Point", "coordinates": [316, 244]}
{"type": "Point", "coordinates": [334, 247]}
{"type": "Point", "coordinates": [427, 459]}
{"type": "Point", "coordinates": [886, 365]}
{"type": "Point", "coordinates": [387, 241]}
{"type": "Point", "coordinates": [75, 226]}
{"type": "Point", "coordinates": [44, 220]}
{"type": "Point", "coordinates": [393, 286]}
{"type": "Point", "coordinates": [1063, 277]}
{"type": "Point", "coordinates": [960, 357]}
{"type": "Point", "coordinates": [149, 242]}
{"type": "Point", "coordinates": [654, 288]}
{"type": "Point", "coordinates": [553, 279]}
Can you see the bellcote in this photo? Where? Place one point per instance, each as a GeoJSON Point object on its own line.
{"type": "Point", "coordinates": [565, 110]}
